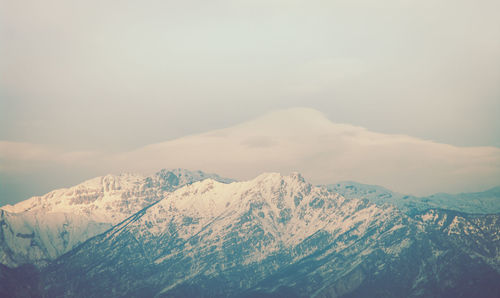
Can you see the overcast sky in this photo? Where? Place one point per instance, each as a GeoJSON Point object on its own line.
{"type": "Point", "coordinates": [112, 76]}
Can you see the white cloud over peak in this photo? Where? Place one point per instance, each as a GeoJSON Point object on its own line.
{"type": "Point", "coordinates": [298, 139]}
{"type": "Point", "coordinates": [305, 140]}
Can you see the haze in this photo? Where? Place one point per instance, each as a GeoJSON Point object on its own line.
{"type": "Point", "coordinates": [87, 79]}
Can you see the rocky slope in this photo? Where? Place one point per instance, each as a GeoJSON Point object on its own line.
{"type": "Point", "coordinates": [280, 236]}
{"type": "Point", "coordinates": [42, 228]}
{"type": "Point", "coordinates": [485, 202]}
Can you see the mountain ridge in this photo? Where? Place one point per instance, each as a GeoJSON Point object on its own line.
{"type": "Point", "coordinates": [485, 202]}
{"type": "Point", "coordinates": [200, 235]}
{"type": "Point", "coordinates": [248, 247]}
{"type": "Point", "coordinates": [42, 228]}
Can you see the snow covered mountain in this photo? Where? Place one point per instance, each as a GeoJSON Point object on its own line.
{"type": "Point", "coordinates": [42, 228]}
{"type": "Point", "coordinates": [280, 236]}
{"type": "Point", "coordinates": [485, 202]}
{"type": "Point", "coordinates": [190, 234]}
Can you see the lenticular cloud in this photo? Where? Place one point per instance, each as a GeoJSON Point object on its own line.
{"type": "Point", "coordinates": [298, 139]}
{"type": "Point", "coordinates": [304, 140]}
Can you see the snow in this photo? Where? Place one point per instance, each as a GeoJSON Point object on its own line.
{"type": "Point", "coordinates": [63, 218]}
{"type": "Point", "coordinates": [486, 202]}
{"type": "Point", "coordinates": [282, 211]}
{"type": "Point", "coordinates": [286, 210]}
{"type": "Point", "coordinates": [206, 227]}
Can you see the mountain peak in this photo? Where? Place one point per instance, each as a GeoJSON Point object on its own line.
{"type": "Point", "coordinates": [247, 237]}
{"type": "Point", "coordinates": [274, 176]}
{"type": "Point", "coordinates": [278, 176]}
{"type": "Point", "coordinates": [77, 213]}
{"type": "Point", "coordinates": [179, 176]}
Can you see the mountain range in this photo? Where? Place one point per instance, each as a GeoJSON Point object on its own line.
{"type": "Point", "coordinates": [477, 202]}
{"type": "Point", "coordinates": [39, 229]}
{"type": "Point", "coordinates": [190, 234]}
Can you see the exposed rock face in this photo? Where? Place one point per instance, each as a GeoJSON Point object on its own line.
{"type": "Point", "coordinates": [42, 228]}
{"type": "Point", "coordinates": [23, 281]}
{"type": "Point", "coordinates": [486, 202]}
{"type": "Point", "coordinates": [190, 234]}
{"type": "Point", "coordinates": [280, 236]}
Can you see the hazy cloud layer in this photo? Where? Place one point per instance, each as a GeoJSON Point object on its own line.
{"type": "Point", "coordinates": [305, 140]}
{"type": "Point", "coordinates": [297, 139]}
{"type": "Point", "coordinates": [82, 80]}
{"type": "Point", "coordinates": [99, 75]}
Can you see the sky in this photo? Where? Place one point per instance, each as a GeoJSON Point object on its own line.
{"type": "Point", "coordinates": [81, 79]}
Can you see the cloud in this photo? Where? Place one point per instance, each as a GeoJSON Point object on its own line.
{"type": "Point", "coordinates": [23, 157]}
{"type": "Point", "coordinates": [76, 74]}
{"type": "Point", "coordinates": [298, 139]}
{"type": "Point", "coordinates": [23, 151]}
{"type": "Point", "coordinates": [305, 140]}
